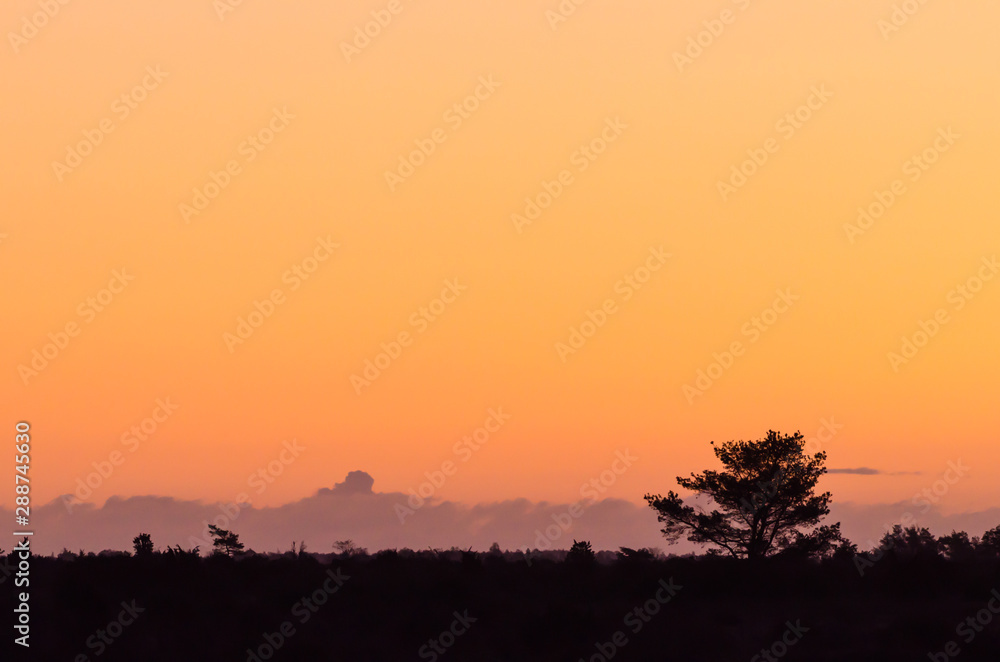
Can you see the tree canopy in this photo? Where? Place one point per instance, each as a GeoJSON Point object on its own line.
{"type": "Point", "coordinates": [225, 542]}
{"type": "Point", "coordinates": [764, 500]}
{"type": "Point", "coordinates": [143, 544]}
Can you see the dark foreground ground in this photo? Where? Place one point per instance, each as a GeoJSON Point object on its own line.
{"type": "Point", "coordinates": [477, 607]}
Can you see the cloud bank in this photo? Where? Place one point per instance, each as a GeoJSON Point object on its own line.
{"type": "Point", "coordinates": [380, 520]}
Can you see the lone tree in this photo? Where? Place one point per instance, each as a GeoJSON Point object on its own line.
{"type": "Point", "coordinates": [225, 542]}
{"type": "Point", "coordinates": [143, 544]}
{"type": "Point", "coordinates": [580, 553]}
{"type": "Point", "coordinates": [765, 500]}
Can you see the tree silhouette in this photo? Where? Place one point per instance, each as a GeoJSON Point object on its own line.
{"type": "Point", "coordinates": [143, 544]}
{"type": "Point", "coordinates": [177, 552]}
{"type": "Point", "coordinates": [990, 542]}
{"type": "Point", "coordinates": [347, 549]}
{"type": "Point", "coordinates": [581, 553]}
{"type": "Point", "coordinates": [909, 542]}
{"type": "Point", "coordinates": [765, 498]}
{"type": "Point", "coordinates": [958, 546]}
{"type": "Point", "coordinates": [225, 542]}
{"type": "Point", "coordinates": [629, 554]}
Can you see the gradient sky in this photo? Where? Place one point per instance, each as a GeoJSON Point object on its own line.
{"type": "Point", "coordinates": [656, 186]}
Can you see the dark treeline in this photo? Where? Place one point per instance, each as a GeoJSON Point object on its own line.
{"type": "Point", "coordinates": [777, 583]}
{"type": "Point", "coordinates": [910, 598]}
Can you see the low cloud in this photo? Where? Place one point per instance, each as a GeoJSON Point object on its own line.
{"type": "Point", "coordinates": [868, 471]}
{"type": "Point", "coordinates": [352, 509]}
{"type": "Point", "coordinates": [349, 509]}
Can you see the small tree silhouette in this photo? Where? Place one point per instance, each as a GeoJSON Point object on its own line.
{"type": "Point", "coordinates": [177, 551]}
{"type": "Point", "coordinates": [143, 544]}
{"type": "Point", "coordinates": [628, 554]}
{"type": "Point", "coordinates": [580, 553]}
{"type": "Point", "coordinates": [225, 542]}
{"type": "Point", "coordinates": [347, 548]}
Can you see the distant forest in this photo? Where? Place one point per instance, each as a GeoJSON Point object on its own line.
{"type": "Point", "coordinates": [775, 582]}
{"type": "Point", "coordinates": [920, 597]}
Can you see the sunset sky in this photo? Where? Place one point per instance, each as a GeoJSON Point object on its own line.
{"type": "Point", "coordinates": [118, 116]}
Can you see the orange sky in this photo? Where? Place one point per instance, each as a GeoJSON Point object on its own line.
{"type": "Point", "coordinates": [668, 132]}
